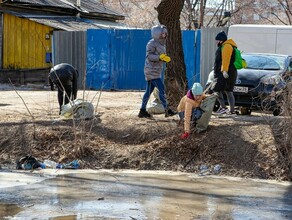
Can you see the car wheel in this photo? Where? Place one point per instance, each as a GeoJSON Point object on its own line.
{"type": "Point", "coordinates": [245, 111]}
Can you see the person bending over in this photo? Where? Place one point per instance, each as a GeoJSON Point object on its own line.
{"type": "Point", "coordinates": [64, 77]}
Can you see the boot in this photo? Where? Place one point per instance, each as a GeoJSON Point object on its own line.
{"type": "Point", "coordinates": [144, 114]}
{"type": "Point", "coordinates": [169, 112]}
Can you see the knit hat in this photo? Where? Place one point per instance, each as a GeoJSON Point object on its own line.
{"type": "Point", "coordinates": [221, 36]}
{"type": "Point", "coordinates": [197, 89]}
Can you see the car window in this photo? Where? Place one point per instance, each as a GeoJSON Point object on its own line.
{"type": "Point", "coordinates": [264, 62]}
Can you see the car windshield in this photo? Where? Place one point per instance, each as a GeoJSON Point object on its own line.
{"type": "Point", "coordinates": [264, 62]}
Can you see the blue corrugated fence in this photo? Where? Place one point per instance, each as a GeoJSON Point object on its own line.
{"type": "Point", "coordinates": [115, 58]}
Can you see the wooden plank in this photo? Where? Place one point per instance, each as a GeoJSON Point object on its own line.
{"type": "Point", "coordinates": [25, 44]}
{"type": "Point", "coordinates": [31, 44]}
{"type": "Point", "coordinates": [17, 45]}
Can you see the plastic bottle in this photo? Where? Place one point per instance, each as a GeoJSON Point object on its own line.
{"type": "Point", "coordinates": [59, 166]}
{"type": "Point", "coordinates": [217, 168]}
{"type": "Point", "coordinates": [50, 164]}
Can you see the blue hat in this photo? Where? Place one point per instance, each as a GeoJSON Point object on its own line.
{"type": "Point", "coordinates": [197, 89]}
{"type": "Point", "coordinates": [221, 36]}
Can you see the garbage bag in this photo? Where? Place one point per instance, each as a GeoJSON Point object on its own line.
{"type": "Point", "coordinates": [155, 106]}
{"type": "Point", "coordinates": [80, 108]}
{"type": "Point", "coordinates": [207, 106]}
{"type": "Point", "coordinates": [27, 163]}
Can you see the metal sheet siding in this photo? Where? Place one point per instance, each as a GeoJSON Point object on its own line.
{"type": "Point", "coordinates": [1, 37]}
{"type": "Point", "coordinates": [208, 49]}
{"type": "Point", "coordinates": [24, 44]}
{"type": "Point", "coordinates": [117, 60]}
{"type": "Point", "coordinates": [191, 48]}
{"type": "Point", "coordinates": [129, 52]}
{"type": "Point", "coordinates": [98, 68]}
{"type": "Point", "coordinates": [70, 47]}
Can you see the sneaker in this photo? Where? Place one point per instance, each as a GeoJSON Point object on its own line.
{"type": "Point", "coordinates": [170, 112]}
{"type": "Point", "coordinates": [143, 114]}
{"type": "Point", "coordinates": [221, 111]}
{"type": "Point", "coordinates": [231, 113]}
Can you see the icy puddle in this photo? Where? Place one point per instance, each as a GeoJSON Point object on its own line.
{"type": "Point", "coordinates": [88, 194]}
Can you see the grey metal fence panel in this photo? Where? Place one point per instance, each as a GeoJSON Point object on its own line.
{"type": "Point", "coordinates": [208, 49]}
{"type": "Point", "coordinates": [70, 47]}
{"type": "Point", "coordinates": [1, 41]}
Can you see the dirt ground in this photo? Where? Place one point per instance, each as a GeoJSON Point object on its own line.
{"type": "Point", "coordinates": [243, 146]}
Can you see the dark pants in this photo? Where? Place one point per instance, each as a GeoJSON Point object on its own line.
{"type": "Point", "coordinates": [151, 84]}
{"type": "Point", "coordinates": [196, 114]}
{"type": "Point", "coordinates": [68, 95]}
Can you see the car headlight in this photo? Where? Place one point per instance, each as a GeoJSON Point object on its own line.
{"type": "Point", "coordinates": [271, 80]}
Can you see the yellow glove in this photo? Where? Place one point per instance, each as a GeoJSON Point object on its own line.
{"type": "Point", "coordinates": [164, 58]}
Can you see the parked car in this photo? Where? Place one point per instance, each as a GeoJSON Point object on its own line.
{"type": "Point", "coordinates": [255, 83]}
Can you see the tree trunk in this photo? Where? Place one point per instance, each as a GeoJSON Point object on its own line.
{"type": "Point", "coordinates": [175, 75]}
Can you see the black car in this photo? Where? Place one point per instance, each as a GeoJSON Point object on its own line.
{"type": "Point", "coordinates": [255, 83]}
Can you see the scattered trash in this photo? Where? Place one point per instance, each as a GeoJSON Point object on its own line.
{"type": "Point", "coordinates": [28, 163]}
{"type": "Point", "coordinates": [217, 168]}
{"type": "Point", "coordinates": [203, 170]}
{"type": "Point", "coordinates": [50, 164]}
{"type": "Point", "coordinates": [125, 136]}
{"type": "Point", "coordinates": [72, 165]}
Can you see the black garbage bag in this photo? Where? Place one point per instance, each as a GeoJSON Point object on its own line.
{"type": "Point", "coordinates": [27, 163]}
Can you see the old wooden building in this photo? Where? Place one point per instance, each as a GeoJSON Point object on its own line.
{"type": "Point", "coordinates": [26, 31]}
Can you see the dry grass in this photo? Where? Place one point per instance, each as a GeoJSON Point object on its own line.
{"type": "Point", "coordinates": [244, 146]}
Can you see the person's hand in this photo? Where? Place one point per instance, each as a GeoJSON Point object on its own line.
{"type": "Point", "coordinates": [164, 58]}
{"type": "Point", "coordinates": [52, 88]}
{"type": "Point", "coordinates": [185, 135]}
{"type": "Point", "coordinates": [225, 75]}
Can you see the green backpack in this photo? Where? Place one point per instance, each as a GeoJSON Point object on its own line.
{"type": "Point", "coordinates": [239, 62]}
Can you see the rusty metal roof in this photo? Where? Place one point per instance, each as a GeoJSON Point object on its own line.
{"type": "Point", "coordinates": [49, 3]}
{"type": "Point", "coordinates": [67, 23]}
{"type": "Point", "coordinates": [93, 7]}
{"type": "Point", "coordinates": [71, 23]}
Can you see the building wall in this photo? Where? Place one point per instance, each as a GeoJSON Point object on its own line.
{"type": "Point", "coordinates": [25, 43]}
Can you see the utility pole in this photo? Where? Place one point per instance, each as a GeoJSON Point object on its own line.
{"type": "Point", "coordinates": [202, 13]}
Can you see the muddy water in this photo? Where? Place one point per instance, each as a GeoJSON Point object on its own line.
{"type": "Point", "coordinates": [145, 195]}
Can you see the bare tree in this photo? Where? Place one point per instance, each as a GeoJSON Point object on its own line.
{"type": "Point", "coordinates": [138, 13]}
{"type": "Point", "coordinates": [263, 12]}
{"type": "Point", "coordinates": [190, 14]}
{"type": "Point", "coordinates": [275, 11]}
{"type": "Point", "coordinates": [175, 76]}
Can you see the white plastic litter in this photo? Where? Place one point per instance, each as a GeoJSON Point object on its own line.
{"type": "Point", "coordinates": [80, 108]}
{"type": "Point", "coordinates": [155, 107]}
